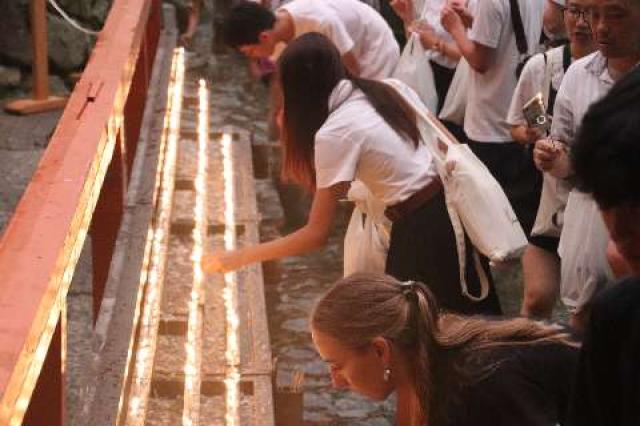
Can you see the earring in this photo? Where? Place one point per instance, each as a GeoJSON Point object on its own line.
{"type": "Point", "coordinates": [387, 374]}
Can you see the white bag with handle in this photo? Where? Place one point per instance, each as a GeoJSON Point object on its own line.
{"type": "Point", "coordinates": [455, 103]}
{"type": "Point", "coordinates": [366, 242]}
{"type": "Point", "coordinates": [414, 69]}
{"type": "Point", "coordinates": [476, 202]}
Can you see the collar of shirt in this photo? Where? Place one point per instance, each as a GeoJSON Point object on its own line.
{"type": "Point", "coordinates": [597, 66]}
{"type": "Point", "coordinates": [339, 94]}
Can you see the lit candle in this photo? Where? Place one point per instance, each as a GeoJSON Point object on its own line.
{"type": "Point", "coordinates": [230, 292]}
{"type": "Point", "coordinates": [199, 234]}
{"type": "Point", "coordinates": [158, 240]}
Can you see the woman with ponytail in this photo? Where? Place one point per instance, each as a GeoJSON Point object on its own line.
{"type": "Point", "coordinates": [380, 335]}
{"type": "Point", "coordinates": [338, 128]}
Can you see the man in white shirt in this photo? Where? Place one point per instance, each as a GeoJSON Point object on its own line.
{"type": "Point", "coordinates": [616, 29]}
{"type": "Point", "coordinates": [491, 51]}
{"type": "Point", "coordinates": [361, 35]}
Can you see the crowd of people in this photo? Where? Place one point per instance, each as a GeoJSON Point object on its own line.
{"type": "Point", "coordinates": [547, 97]}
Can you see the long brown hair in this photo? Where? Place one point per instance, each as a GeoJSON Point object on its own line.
{"type": "Point", "coordinates": [438, 348]}
{"type": "Point", "coordinates": [309, 69]}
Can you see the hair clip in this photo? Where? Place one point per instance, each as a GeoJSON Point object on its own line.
{"type": "Point", "coordinates": [408, 287]}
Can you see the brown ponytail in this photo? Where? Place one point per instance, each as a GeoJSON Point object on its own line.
{"type": "Point", "coordinates": [437, 346]}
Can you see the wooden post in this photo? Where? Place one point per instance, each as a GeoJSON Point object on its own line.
{"type": "Point", "coordinates": [41, 101]}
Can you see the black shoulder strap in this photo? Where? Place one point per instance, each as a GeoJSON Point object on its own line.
{"type": "Point", "coordinates": [518, 28]}
{"type": "Point", "coordinates": [566, 57]}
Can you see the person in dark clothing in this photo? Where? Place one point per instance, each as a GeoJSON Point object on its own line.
{"type": "Point", "coordinates": [606, 160]}
{"type": "Point", "coordinates": [380, 335]}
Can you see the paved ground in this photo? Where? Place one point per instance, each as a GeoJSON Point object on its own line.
{"type": "Point", "coordinates": [22, 142]}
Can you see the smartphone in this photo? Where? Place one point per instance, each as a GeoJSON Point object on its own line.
{"type": "Point", "coordinates": [536, 115]}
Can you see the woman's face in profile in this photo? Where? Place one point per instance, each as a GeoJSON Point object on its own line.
{"type": "Point", "coordinates": [360, 370]}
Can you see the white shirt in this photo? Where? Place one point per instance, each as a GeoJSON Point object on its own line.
{"type": "Point", "coordinates": [489, 94]}
{"type": "Point", "coordinates": [356, 143]}
{"type": "Point", "coordinates": [586, 81]}
{"type": "Point", "coordinates": [532, 81]}
{"type": "Point", "coordinates": [353, 27]}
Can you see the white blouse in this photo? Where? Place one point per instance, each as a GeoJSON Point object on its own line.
{"type": "Point", "coordinates": [356, 143]}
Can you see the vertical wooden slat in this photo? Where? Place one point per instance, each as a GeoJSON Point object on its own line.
{"type": "Point", "coordinates": [48, 400]}
{"type": "Point", "coordinates": [106, 220]}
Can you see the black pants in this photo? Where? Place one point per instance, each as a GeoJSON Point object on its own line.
{"type": "Point", "coordinates": [423, 248]}
{"type": "Point", "coordinates": [512, 165]}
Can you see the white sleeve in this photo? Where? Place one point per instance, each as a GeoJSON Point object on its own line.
{"type": "Point", "coordinates": [488, 21]}
{"type": "Point", "coordinates": [563, 124]}
{"type": "Point", "coordinates": [333, 28]}
{"type": "Point", "coordinates": [336, 159]}
{"type": "Point", "coordinates": [529, 84]}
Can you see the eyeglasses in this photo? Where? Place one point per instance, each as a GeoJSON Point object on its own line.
{"type": "Point", "coordinates": [577, 13]}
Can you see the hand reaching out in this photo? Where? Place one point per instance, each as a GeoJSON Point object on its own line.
{"type": "Point", "coordinates": [222, 261]}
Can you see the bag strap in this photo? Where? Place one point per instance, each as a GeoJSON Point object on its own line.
{"type": "Point", "coordinates": [445, 137]}
{"type": "Point", "coordinates": [458, 231]}
{"type": "Point", "coordinates": [546, 84]}
{"type": "Point", "coordinates": [518, 28]}
{"type": "Point", "coordinates": [566, 57]}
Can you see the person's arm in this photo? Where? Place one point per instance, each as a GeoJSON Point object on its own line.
{"type": "Point", "coordinates": [351, 63]}
{"type": "Point", "coordinates": [479, 56]}
{"type": "Point", "coordinates": [310, 237]}
{"type": "Point", "coordinates": [524, 134]}
{"type": "Point", "coordinates": [431, 41]}
{"type": "Point", "coordinates": [192, 24]}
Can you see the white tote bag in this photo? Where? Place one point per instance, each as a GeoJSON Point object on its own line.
{"type": "Point", "coordinates": [414, 69]}
{"type": "Point", "coordinates": [475, 200]}
{"type": "Point", "coordinates": [455, 103]}
{"type": "Point", "coordinates": [366, 242]}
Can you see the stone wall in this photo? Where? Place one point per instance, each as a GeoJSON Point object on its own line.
{"type": "Point", "coordinates": [68, 47]}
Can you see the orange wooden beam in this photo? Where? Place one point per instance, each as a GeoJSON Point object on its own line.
{"type": "Point", "coordinates": [42, 242]}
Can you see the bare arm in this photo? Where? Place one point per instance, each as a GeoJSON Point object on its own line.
{"type": "Point", "coordinates": [310, 237]}
{"type": "Point", "coordinates": [480, 57]}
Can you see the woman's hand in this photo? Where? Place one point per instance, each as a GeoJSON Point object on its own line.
{"type": "Point", "coordinates": [222, 261]}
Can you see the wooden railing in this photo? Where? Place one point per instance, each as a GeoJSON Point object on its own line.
{"type": "Point", "coordinates": [78, 188]}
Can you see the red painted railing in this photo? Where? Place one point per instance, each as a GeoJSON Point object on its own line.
{"type": "Point", "coordinates": [79, 187]}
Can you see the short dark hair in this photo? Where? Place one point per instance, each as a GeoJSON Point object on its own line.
{"type": "Point", "coordinates": [244, 23]}
{"type": "Point", "coordinates": [606, 153]}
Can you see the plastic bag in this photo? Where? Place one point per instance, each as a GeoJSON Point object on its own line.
{"type": "Point", "coordinates": [366, 242]}
{"type": "Point", "coordinates": [455, 103]}
{"type": "Point", "coordinates": [414, 69]}
{"type": "Point", "coordinates": [365, 249]}
{"type": "Point", "coordinates": [553, 200]}
{"type": "Point", "coordinates": [583, 251]}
